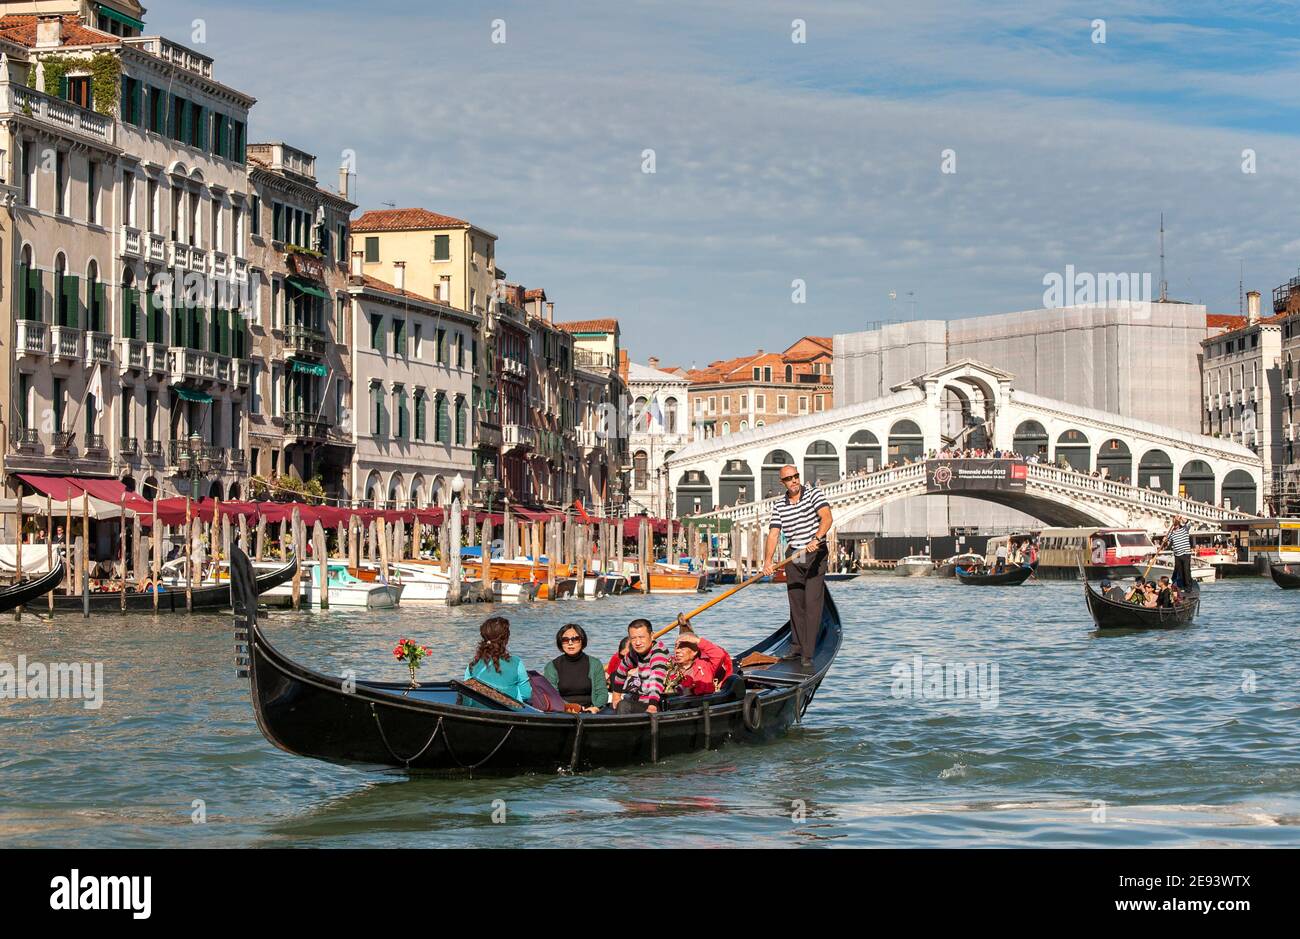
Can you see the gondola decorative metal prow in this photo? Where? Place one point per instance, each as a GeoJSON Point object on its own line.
{"type": "Point", "coordinates": [243, 601]}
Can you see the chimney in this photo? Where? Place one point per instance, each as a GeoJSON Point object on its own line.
{"type": "Point", "coordinates": [550, 311]}
{"type": "Point", "coordinates": [357, 257]}
{"type": "Point", "coordinates": [399, 275]}
{"type": "Point", "coordinates": [49, 32]}
{"type": "Point", "coordinates": [343, 181]}
{"type": "Point", "coordinates": [1252, 307]}
{"type": "Point", "coordinates": [654, 363]}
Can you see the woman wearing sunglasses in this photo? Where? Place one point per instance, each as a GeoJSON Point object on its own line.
{"type": "Point", "coordinates": [578, 677]}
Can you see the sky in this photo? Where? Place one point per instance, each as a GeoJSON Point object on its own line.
{"type": "Point", "coordinates": [819, 171]}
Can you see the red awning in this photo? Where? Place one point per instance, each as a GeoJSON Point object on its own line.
{"type": "Point", "coordinates": [658, 526]}
{"type": "Point", "coordinates": [56, 487]}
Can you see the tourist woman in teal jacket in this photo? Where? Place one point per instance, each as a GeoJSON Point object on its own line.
{"type": "Point", "coordinates": [494, 665]}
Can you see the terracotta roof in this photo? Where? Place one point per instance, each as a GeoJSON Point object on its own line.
{"type": "Point", "coordinates": [589, 326]}
{"type": "Point", "coordinates": [1241, 324]}
{"type": "Point", "coordinates": [1224, 320]}
{"type": "Point", "coordinates": [537, 293]}
{"type": "Point", "coordinates": [21, 28]}
{"type": "Point", "coordinates": [376, 284]}
{"type": "Point", "coordinates": [405, 220]}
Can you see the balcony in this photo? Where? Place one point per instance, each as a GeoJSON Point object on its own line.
{"type": "Point", "coordinates": [95, 444]}
{"type": "Point", "coordinates": [220, 264]}
{"type": "Point", "coordinates": [224, 369]}
{"type": "Point", "coordinates": [306, 425]}
{"type": "Point", "coordinates": [156, 354]}
{"type": "Point", "coordinates": [589, 439]}
{"type": "Point", "coordinates": [157, 246]}
{"type": "Point", "coordinates": [65, 342]}
{"type": "Point", "coordinates": [244, 372]}
{"type": "Point", "coordinates": [586, 358]}
{"type": "Point", "coordinates": [131, 243]}
{"type": "Point", "coordinates": [518, 437]}
{"type": "Point", "coordinates": [238, 460]}
{"type": "Point", "coordinates": [153, 450]}
{"type": "Point", "coordinates": [514, 368]}
{"type": "Point", "coordinates": [25, 438]}
{"type": "Point", "coordinates": [241, 270]}
{"type": "Point", "coordinates": [198, 259]}
{"type": "Point", "coordinates": [60, 114]}
{"type": "Point", "coordinates": [131, 356]}
{"type": "Point", "coordinates": [63, 440]}
{"type": "Point", "coordinates": [178, 448]}
{"type": "Point", "coordinates": [127, 447]}
{"type": "Point", "coordinates": [99, 348]}
{"type": "Point", "coordinates": [178, 254]}
{"type": "Point", "coordinates": [302, 340]}
{"type": "Point", "coordinates": [33, 338]}
{"type": "Point", "coordinates": [173, 53]}
{"type": "Point", "coordinates": [184, 364]}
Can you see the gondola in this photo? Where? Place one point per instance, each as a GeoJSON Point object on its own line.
{"type": "Point", "coordinates": [1283, 576]}
{"type": "Point", "coordinates": [29, 590]}
{"type": "Point", "coordinates": [1010, 577]}
{"type": "Point", "coordinates": [171, 598]}
{"type": "Point", "coordinates": [448, 728]}
{"type": "Point", "coordinates": [1116, 614]}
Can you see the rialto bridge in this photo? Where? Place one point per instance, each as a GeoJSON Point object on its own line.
{"type": "Point", "coordinates": [869, 454]}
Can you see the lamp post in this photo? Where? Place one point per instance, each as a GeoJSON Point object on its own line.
{"type": "Point", "coordinates": [193, 463]}
{"type": "Point", "coordinates": [488, 486]}
{"type": "Point", "coordinates": [616, 496]}
{"type": "Point", "coordinates": [453, 591]}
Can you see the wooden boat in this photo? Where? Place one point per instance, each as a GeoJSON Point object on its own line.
{"type": "Point", "coordinates": [447, 727]}
{"type": "Point", "coordinates": [1116, 614]}
{"type": "Point", "coordinates": [949, 567]}
{"type": "Point", "coordinates": [842, 575]}
{"type": "Point", "coordinates": [564, 587]}
{"type": "Point", "coordinates": [672, 582]}
{"type": "Point", "coordinates": [26, 591]}
{"type": "Point", "coordinates": [171, 598]}
{"type": "Point", "coordinates": [1285, 576]}
{"type": "Point", "coordinates": [1009, 577]}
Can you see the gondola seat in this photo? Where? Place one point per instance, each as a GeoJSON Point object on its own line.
{"type": "Point", "coordinates": [733, 689]}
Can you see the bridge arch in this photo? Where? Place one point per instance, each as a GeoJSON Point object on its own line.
{"type": "Point", "coordinates": [736, 484]}
{"type": "Point", "coordinates": [771, 472]}
{"type": "Point", "coordinates": [1156, 471]}
{"type": "Point", "coordinates": [905, 441]}
{"type": "Point", "coordinates": [821, 463]}
{"type": "Point", "coordinates": [1031, 438]}
{"type": "Point", "coordinates": [1115, 460]}
{"type": "Point", "coordinates": [1196, 481]}
{"type": "Point", "coordinates": [694, 493]}
{"type": "Point", "coordinates": [862, 453]}
{"type": "Point", "coordinates": [1240, 492]}
{"type": "Point", "coordinates": [1074, 451]}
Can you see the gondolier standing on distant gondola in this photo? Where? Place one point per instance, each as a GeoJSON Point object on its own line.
{"type": "Point", "coordinates": [804, 517]}
{"type": "Point", "coordinates": [1180, 542]}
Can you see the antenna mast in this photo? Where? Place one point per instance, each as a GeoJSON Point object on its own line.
{"type": "Point", "coordinates": [1164, 286]}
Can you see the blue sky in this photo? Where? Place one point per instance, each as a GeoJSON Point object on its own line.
{"type": "Point", "coordinates": [779, 161]}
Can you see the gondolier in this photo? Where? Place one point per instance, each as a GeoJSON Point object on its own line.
{"type": "Point", "coordinates": [804, 517]}
{"type": "Point", "coordinates": [1180, 542]}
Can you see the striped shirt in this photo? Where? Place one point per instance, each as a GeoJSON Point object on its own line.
{"type": "Point", "coordinates": [642, 676]}
{"type": "Point", "coordinates": [798, 520]}
{"type": "Point", "coordinates": [1180, 539]}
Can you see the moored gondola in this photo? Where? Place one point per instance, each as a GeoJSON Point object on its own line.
{"type": "Point", "coordinates": [447, 727]}
{"type": "Point", "coordinates": [1285, 576]}
{"type": "Point", "coordinates": [1118, 614]}
{"type": "Point", "coordinates": [28, 590]}
{"type": "Point", "coordinates": [171, 598]}
{"type": "Point", "coordinates": [1011, 577]}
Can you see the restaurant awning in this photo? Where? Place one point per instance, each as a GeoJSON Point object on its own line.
{"type": "Point", "coordinates": [309, 368]}
{"type": "Point", "coordinates": [307, 286]}
{"type": "Point", "coordinates": [191, 394]}
{"type": "Point", "coordinates": [119, 17]}
{"type": "Point", "coordinates": [56, 487]}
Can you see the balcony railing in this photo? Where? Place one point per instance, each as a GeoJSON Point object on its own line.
{"type": "Point", "coordinates": [173, 53]}
{"type": "Point", "coordinates": [26, 438]}
{"type": "Point", "coordinates": [223, 369]}
{"type": "Point", "coordinates": [178, 254]}
{"type": "Point", "coordinates": [199, 258]}
{"type": "Point", "coordinates": [237, 460]}
{"type": "Point", "coordinates": [153, 449]}
{"type": "Point", "coordinates": [306, 425]}
{"type": "Point", "coordinates": [33, 338]}
{"type": "Point", "coordinates": [185, 364]}
{"type": "Point", "coordinates": [241, 270]}
{"type": "Point", "coordinates": [244, 376]}
{"type": "Point", "coordinates": [63, 439]}
{"type": "Point", "coordinates": [586, 358]}
{"type": "Point", "coordinates": [157, 248]}
{"type": "Point", "coordinates": [16, 98]}
{"type": "Point", "coordinates": [132, 243]}
{"type": "Point", "coordinates": [220, 264]}
{"type": "Point", "coordinates": [304, 340]}
{"type": "Point", "coordinates": [126, 447]}
{"type": "Point", "coordinates": [99, 348]}
{"type": "Point", "coordinates": [519, 436]}
{"type": "Point", "coordinates": [157, 355]}
{"type": "Point", "coordinates": [131, 354]}
{"type": "Point", "coordinates": [95, 443]}
{"type": "Point", "coordinates": [65, 342]}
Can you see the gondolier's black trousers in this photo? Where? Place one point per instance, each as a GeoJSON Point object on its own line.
{"type": "Point", "coordinates": [805, 586]}
{"type": "Point", "coordinates": [1182, 571]}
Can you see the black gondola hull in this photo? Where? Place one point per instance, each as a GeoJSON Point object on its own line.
{"type": "Point", "coordinates": [171, 599]}
{"type": "Point", "coordinates": [1283, 577]}
{"type": "Point", "coordinates": [373, 724]}
{"type": "Point", "coordinates": [1011, 577]}
{"type": "Point", "coordinates": [29, 590]}
{"type": "Point", "coordinates": [1114, 614]}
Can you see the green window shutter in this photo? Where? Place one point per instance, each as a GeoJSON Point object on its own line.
{"type": "Point", "coordinates": [24, 283]}
{"type": "Point", "coordinates": [72, 296]}
{"type": "Point", "coordinates": [201, 128]}
{"type": "Point", "coordinates": [63, 87]}
{"type": "Point", "coordinates": [129, 300]}
{"type": "Point", "coordinates": [154, 325]}
{"type": "Point", "coordinates": [460, 421]}
{"type": "Point", "coordinates": [419, 416]}
{"type": "Point", "coordinates": [101, 308]}
{"type": "Point", "coordinates": [125, 97]}
{"type": "Point", "coordinates": [441, 247]}
{"type": "Point", "coordinates": [443, 429]}
{"type": "Point", "coordinates": [372, 249]}
{"type": "Point", "coordinates": [137, 101]}
{"type": "Point", "coordinates": [178, 326]}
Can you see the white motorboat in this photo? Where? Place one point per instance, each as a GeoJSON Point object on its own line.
{"type": "Point", "coordinates": [345, 589]}
{"type": "Point", "coordinates": [1203, 572]}
{"type": "Point", "coordinates": [915, 565]}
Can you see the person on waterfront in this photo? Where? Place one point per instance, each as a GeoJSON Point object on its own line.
{"type": "Point", "coordinates": [804, 516]}
{"type": "Point", "coordinates": [578, 677]}
{"type": "Point", "coordinates": [494, 665]}
{"type": "Point", "coordinates": [1180, 542]}
{"type": "Point", "coordinates": [638, 684]}
{"type": "Point", "coordinates": [1000, 559]}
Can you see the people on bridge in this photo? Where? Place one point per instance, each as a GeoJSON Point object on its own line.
{"type": "Point", "coordinates": [804, 516]}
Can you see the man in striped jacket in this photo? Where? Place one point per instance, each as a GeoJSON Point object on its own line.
{"type": "Point", "coordinates": [1180, 542]}
{"type": "Point", "coordinates": [804, 517]}
{"type": "Point", "coordinates": [638, 683]}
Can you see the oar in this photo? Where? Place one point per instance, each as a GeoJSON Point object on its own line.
{"type": "Point", "coordinates": [1151, 563]}
{"type": "Point", "coordinates": [686, 618]}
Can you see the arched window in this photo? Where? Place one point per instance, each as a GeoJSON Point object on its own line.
{"type": "Point", "coordinates": [640, 464]}
{"type": "Point", "coordinates": [670, 416]}
{"type": "Point", "coordinates": [30, 295]}
{"type": "Point", "coordinates": [95, 307]}
{"type": "Point", "coordinates": [789, 373]}
{"type": "Point", "coordinates": [640, 414]}
{"type": "Point", "coordinates": [67, 293]}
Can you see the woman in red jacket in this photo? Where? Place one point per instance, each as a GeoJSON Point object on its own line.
{"type": "Point", "coordinates": [693, 675]}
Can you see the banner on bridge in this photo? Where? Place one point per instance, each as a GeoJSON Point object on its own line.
{"type": "Point", "coordinates": [965, 475]}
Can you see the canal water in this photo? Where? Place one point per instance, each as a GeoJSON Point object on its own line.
{"type": "Point", "coordinates": [1055, 737]}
